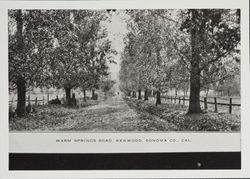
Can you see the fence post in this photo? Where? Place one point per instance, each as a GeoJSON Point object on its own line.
{"type": "Point", "coordinates": [205, 103]}
{"type": "Point", "coordinates": [36, 101]}
{"type": "Point", "coordinates": [183, 100]}
{"type": "Point", "coordinates": [12, 101]}
{"type": "Point", "coordinates": [171, 99]}
{"type": "Point", "coordinates": [43, 100]}
{"type": "Point", "coordinates": [175, 100]}
{"type": "Point", "coordinates": [179, 100]}
{"type": "Point", "coordinates": [29, 99]}
{"type": "Point", "coordinates": [230, 105]}
{"type": "Point", "coordinates": [215, 105]}
{"type": "Point", "coordinates": [48, 97]}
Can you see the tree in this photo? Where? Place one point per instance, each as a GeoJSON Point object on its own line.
{"type": "Point", "coordinates": [106, 84]}
{"type": "Point", "coordinates": [184, 48]}
{"type": "Point", "coordinates": [129, 73]}
{"type": "Point", "coordinates": [213, 36]}
{"type": "Point", "coordinates": [30, 42]}
{"type": "Point", "coordinates": [152, 60]}
{"type": "Point", "coordinates": [82, 51]}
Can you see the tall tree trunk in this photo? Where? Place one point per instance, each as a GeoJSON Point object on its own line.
{"type": "Point", "coordinates": [93, 94]}
{"type": "Point", "coordinates": [146, 95]}
{"type": "Point", "coordinates": [158, 97]}
{"type": "Point", "coordinates": [139, 94]}
{"type": "Point", "coordinates": [176, 92]}
{"type": "Point", "coordinates": [67, 91]}
{"type": "Point", "coordinates": [21, 88]}
{"type": "Point", "coordinates": [196, 37]}
{"type": "Point", "coordinates": [84, 95]}
{"type": "Point", "coordinates": [194, 99]}
{"type": "Point", "coordinates": [19, 33]}
{"type": "Point", "coordinates": [21, 99]}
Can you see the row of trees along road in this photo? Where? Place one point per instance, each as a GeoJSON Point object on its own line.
{"type": "Point", "coordinates": [57, 48]}
{"type": "Point", "coordinates": [168, 49]}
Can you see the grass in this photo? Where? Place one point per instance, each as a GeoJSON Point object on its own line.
{"type": "Point", "coordinates": [176, 115]}
{"type": "Point", "coordinates": [116, 113]}
{"type": "Point", "coordinates": [46, 117]}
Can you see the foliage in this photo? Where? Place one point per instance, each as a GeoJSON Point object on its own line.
{"type": "Point", "coordinates": [56, 48]}
{"type": "Point", "coordinates": [31, 60]}
{"type": "Point", "coordinates": [46, 117]}
{"type": "Point", "coordinates": [106, 84]}
{"type": "Point", "coordinates": [80, 56]}
{"type": "Point", "coordinates": [178, 49]}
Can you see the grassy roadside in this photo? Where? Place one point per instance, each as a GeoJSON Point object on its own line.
{"type": "Point", "coordinates": [176, 115]}
{"type": "Point", "coordinates": [46, 117]}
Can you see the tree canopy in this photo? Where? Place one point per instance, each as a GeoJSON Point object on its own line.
{"type": "Point", "coordinates": [56, 48]}
{"type": "Point", "coordinates": [167, 49]}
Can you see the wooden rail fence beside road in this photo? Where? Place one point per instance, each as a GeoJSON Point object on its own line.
{"type": "Point", "coordinates": [204, 100]}
{"type": "Point", "coordinates": [172, 99]}
{"type": "Point", "coordinates": [42, 101]}
{"type": "Point", "coordinates": [34, 101]}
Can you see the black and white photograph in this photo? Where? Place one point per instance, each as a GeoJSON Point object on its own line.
{"type": "Point", "coordinates": [124, 70]}
{"type": "Point", "coordinates": [124, 89]}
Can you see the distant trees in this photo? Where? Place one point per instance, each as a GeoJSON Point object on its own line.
{"type": "Point", "coordinates": [146, 56]}
{"type": "Point", "coordinates": [229, 86]}
{"type": "Point", "coordinates": [181, 48]}
{"type": "Point", "coordinates": [106, 84]}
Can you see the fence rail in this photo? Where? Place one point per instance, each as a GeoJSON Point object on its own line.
{"type": "Point", "coordinates": [173, 99]}
{"type": "Point", "coordinates": [35, 101]}
{"type": "Point", "coordinates": [204, 100]}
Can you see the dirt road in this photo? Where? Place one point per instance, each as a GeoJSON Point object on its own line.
{"type": "Point", "coordinates": [112, 114]}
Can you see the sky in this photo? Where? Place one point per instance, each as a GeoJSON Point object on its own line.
{"type": "Point", "coordinates": [117, 30]}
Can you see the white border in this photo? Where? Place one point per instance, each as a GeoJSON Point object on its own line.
{"type": "Point", "coordinates": [138, 4]}
{"type": "Point", "coordinates": [114, 142]}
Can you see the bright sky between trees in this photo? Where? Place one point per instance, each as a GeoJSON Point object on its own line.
{"type": "Point", "coordinates": [117, 29]}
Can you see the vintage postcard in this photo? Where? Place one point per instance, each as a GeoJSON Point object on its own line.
{"type": "Point", "coordinates": [108, 88]}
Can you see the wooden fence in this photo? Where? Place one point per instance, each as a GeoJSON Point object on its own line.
{"type": "Point", "coordinates": [204, 100]}
{"type": "Point", "coordinates": [34, 101]}
{"type": "Point", "coordinates": [42, 101]}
